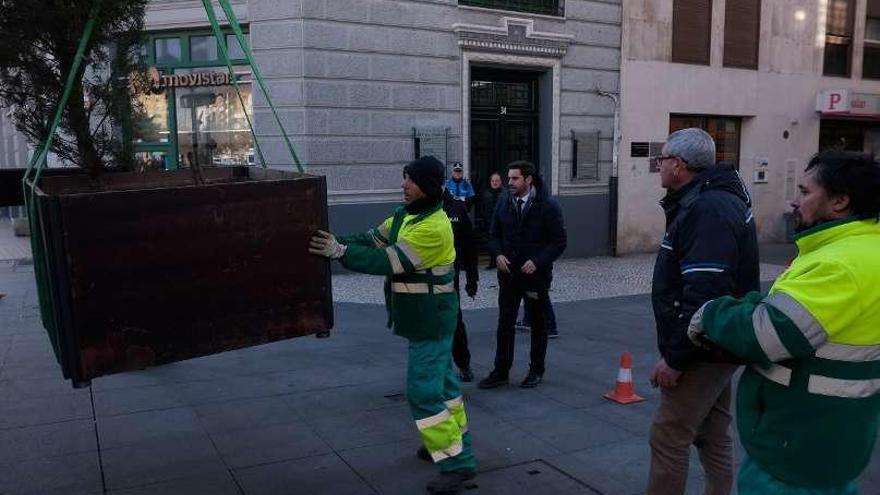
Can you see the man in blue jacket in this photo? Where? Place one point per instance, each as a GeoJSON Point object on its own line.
{"type": "Point", "coordinates": [709, 250]}
{"type": "Point", "coordinates": [526, 237]}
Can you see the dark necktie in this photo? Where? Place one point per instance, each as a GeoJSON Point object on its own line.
{"type": "Point", "coordinates": [519, 209]}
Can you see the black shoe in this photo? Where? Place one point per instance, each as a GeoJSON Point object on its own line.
{"type": "Point", "coordinates": [523, 326]}
{"type": "Point", "coordinates": [552, 334]}
{"type": "Point", "coordinates": [323, 334]}
{"type": "Point", "coordinates": [466, 375]}
{"type": "Point", "coordinates": [424, 455]}
{"type": "Point", "coordinates": [532, 380]}
{"type": "Point", "coordinates": [494, 380]}
{"type": "Point", "coordinates": [450, 482]}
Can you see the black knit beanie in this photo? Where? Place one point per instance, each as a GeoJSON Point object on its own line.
{"type": "Point", "coordinates": [428, 173]}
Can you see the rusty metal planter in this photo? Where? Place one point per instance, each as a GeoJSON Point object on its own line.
{"type": "Point", "coordinates": [145, 269]}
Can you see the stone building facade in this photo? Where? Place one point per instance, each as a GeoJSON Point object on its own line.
{"type": "Point", "coordinates": [362, 86]}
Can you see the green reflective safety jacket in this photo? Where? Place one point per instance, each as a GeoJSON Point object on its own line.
{"type": "Point", "coordinates": [416, 254]}
{"type": "Point", "coordinates": [808, 402]}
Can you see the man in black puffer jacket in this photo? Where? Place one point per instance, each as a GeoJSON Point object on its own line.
{"type": "Point", "coordinates": [527, 235]}
{"type": "Point", "coordinates": [709, 250]}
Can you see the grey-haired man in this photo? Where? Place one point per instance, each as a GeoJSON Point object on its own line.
{"type": "Point", "coordinates": [709, 250]}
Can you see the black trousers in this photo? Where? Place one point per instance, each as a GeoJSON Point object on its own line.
{"type": "Point", "coordinates": [460, 352]}
{"type": "Point", "coordinates": [510, 294]}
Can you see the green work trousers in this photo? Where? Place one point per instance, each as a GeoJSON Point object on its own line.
{"type": "Point", "coordinates": [434, 395]}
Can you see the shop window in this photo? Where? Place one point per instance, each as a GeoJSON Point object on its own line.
{"type": "Point", "coordinates": [150, 118]}
{"type": "Point", "coordinates": [547, 7]}
{"type": "Point", "coordinates": [838, 38]}
{"type": "Point", "coordinates": [724, 130]}
{"type": "Point", "coordinates": [871, 60]}
{"type": "Point", "coordinates": [168, 50]}
{"type": "Point", "coordinates": [742, 29]}
{"type": "Point", "coordinates": [203, 48]}
{"type": "Point", "coordinates": [212, 129]}
{"type": "Point", "coordinates": [691, 31]}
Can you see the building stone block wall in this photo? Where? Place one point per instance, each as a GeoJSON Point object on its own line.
{"type": "Point", "coordinates": [363, 74]}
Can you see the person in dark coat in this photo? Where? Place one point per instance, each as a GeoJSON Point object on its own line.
{"type": "Point", "coordinates": [488, 200]}
{"type": "Point", "coordinates": [709, 250]}
{"type": "Point", "coordinates": [526, 237]}
{"type": "Point", "coordinates": [465, 259]}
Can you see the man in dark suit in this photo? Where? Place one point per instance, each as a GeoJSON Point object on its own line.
{"type": "Point", "coordinates": [526, 237]}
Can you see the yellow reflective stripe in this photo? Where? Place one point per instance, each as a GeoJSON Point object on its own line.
{"type": "Point", "coordinates": [775, 373]}
{"type": "Point", "coordinates": [442, 269]}
{"type": "Point", "coordinates": [451, 451]}
{"type": "Point", "coordinates": [394, 259]}
{"type": "Point", "coordinates": [800, 316]}
{"type": "Point", "coordinates": [849, 353]}
{"type": "Point", "coordinates": [767, 336]}
{"type": "Point", "coordinates": [445, 288]}
{"type": "Point", "coordinates": [405, 288]}
{"type": "Point", "coordinates": [838, 387]}
{"type": "Point", "coordinates": [410, 253]}
{"type": "Point", "coordinates": [455, 403]}
{"type": "Point", "coordinates": [421, 288]}
{"type": "Point", "coordinates": [378, 240]}
{"type": "Point", "coordinates": [382, 230]}
{"type": "Point", "coordinates": [434, 420]}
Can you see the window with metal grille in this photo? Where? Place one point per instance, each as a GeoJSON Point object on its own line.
{"type": "Point", "coordinates": [838, 38]}
{"type": "Point", "coordinates": [724, 130]}
{"type": "Point", "coordinates": [691, 31]}
{"type": "Point", "coordinates": [546, 7]}
{"type": "Point", "coordinates": [742, 27]}
{"type": "Point", "coordinates": [871, 60]}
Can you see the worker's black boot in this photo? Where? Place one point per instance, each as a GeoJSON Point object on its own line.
{"type": "Point", "coordinates": [450, 482]}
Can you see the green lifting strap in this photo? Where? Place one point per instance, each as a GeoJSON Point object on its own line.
{"type": "Point", "coordinates": [221, 42]}
{"type": "Point", "coordinates": [239, 35]}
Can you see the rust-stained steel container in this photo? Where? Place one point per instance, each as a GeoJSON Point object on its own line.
{"type": "Point", "coordinates": [146, 269]}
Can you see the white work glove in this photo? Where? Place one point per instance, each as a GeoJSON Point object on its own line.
{"type": "Point", "coordinates": [325, 244]}
{"type": "Point", "coordinates": [695, 327]}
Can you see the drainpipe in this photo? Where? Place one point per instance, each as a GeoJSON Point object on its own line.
{"type": "Point", "coordinates": [612, 180]}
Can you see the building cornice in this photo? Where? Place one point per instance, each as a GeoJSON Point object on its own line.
{"type": "Point", "coordinates": [514, 36]}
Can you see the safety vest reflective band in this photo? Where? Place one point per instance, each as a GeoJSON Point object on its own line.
{"type": "Point", "coordinates": [442, 433]}
{"type": "Point", "coordinates": [421, 288]}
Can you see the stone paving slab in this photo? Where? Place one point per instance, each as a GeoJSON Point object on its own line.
{"type": "Point", "coordinates": [12, 247]}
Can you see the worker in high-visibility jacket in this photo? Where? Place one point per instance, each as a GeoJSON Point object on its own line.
{"type": "Point", "coordinates": [809, 399]}
{"type": "Point", "coordinates": [414, 249]}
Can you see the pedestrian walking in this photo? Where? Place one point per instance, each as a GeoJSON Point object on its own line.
{"type": "Point", "coordinates": [414, 249]}
{"type": "Point", "coordinates": [527, 236]}
{"type": "Point", "coordinates": [465, 260]}
{"type": "Point", "coordinates": [709, 250]}
{"type": "Point", "coordinates": [809, 399]}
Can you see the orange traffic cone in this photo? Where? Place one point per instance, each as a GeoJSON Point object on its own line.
{"type": "Point", "coordinates": [624, 392]}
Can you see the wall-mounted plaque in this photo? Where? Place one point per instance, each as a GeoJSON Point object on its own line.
{"type": "Point", "coordinates": [431, 141]}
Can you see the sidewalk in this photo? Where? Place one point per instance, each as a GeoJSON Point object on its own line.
{"type": "Point", "coordinates": [314, 417]}
{"type": "Point", "coordinates": [12, 247]}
